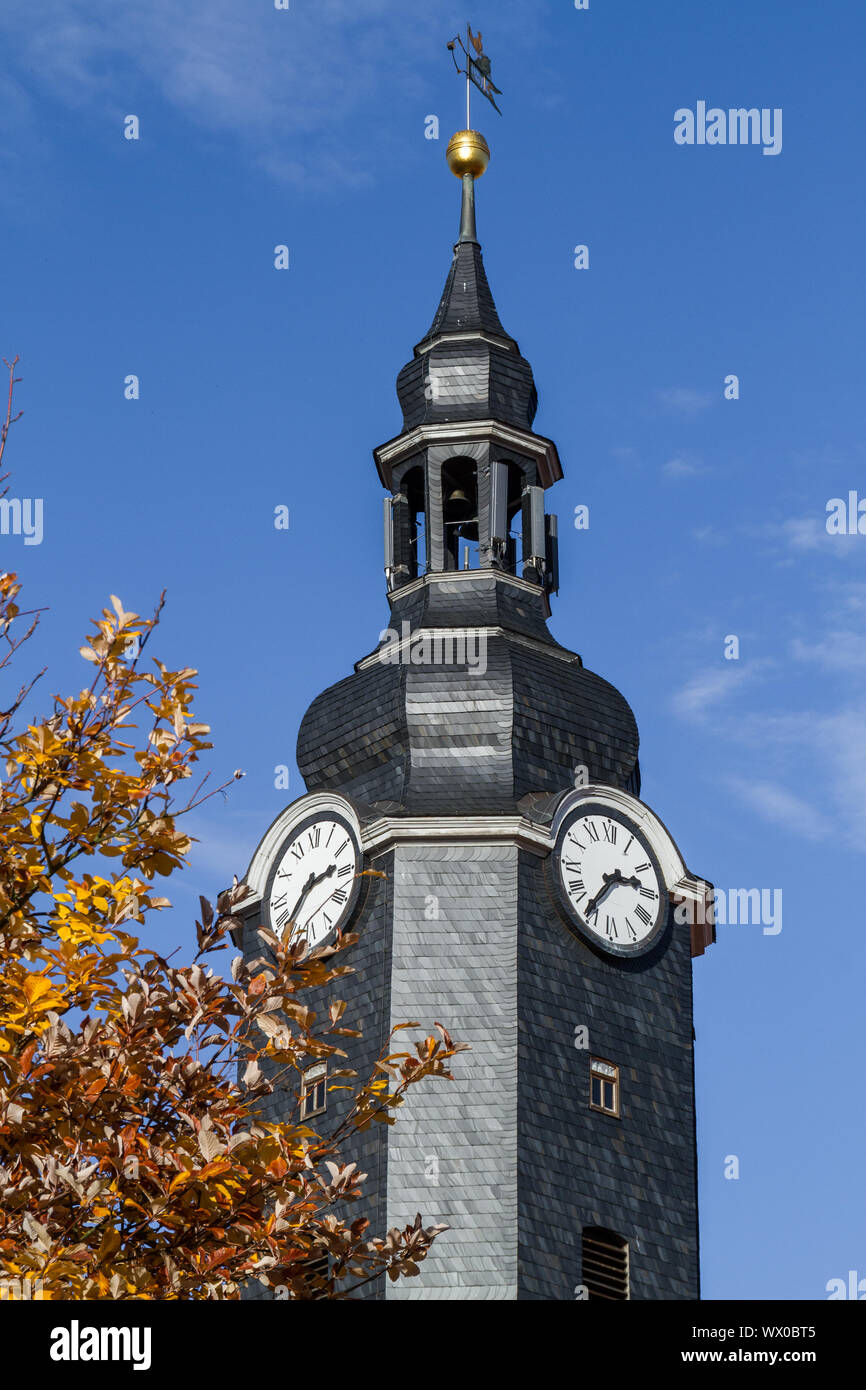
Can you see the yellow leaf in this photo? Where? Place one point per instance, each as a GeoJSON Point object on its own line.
{"type": "Point", "coordinates": [35, 986]}
{"type": "Point", "coordinates": [109, 1245]}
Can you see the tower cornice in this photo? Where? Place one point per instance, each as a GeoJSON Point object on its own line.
{"type": "Point", "coordinates": [383, 834]}
{"type": "Point", "coordinates": [541, 450]}
{"type": "Point", "coordinates": [469, 335]}
{"type": "Point", "coordinates": [398, 651]}
{"type": "Point", "coordinates": [448, 578]}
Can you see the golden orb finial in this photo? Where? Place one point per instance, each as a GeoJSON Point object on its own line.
{"type": "Point", "coordinates": [467, 153]}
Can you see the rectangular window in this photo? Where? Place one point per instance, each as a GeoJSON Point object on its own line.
{"type": "Point", "coordinates": [605, 1264]}
{"type": "Point", "coordinates": [603, 1086]}
{"type": "Point", "coordinates": [314, 1090]}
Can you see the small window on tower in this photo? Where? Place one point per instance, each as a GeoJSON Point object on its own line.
{"type": "Point", "coordinates": [605, 1270]}
{"type": "Point", "coordinates": [314, 1090]}
{"type": "Point", "coordinates": [603, 1086]}
{"type": "Point", "coordinates": [316, 1273]}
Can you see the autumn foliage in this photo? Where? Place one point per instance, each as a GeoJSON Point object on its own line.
{"type": "Point", "coordinates": [133, 1159]}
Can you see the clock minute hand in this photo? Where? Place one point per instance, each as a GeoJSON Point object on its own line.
{"type": "Point", "coordinates": [304, 891]}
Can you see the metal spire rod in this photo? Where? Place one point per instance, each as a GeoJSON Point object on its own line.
{"type": "Point", "coordinates": [468, 81]}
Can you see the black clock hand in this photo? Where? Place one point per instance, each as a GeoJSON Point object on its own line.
{"type": "Point", "coordinates": [310, 885]}
{"type": "Point", "coordinates": [304, 891]}
{"type": "Point", "coordinates": [609, 881]}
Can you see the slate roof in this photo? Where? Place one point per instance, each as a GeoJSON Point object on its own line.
{"type": "Point", "coordinates": [467, 302]}
{"type": "Point", "coordinates": [457, 372]}
{"type": "Point", "coordinates": [441, 736]}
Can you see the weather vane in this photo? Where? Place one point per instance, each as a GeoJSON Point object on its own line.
{"type": "Point", "coordinates": [477, 70]}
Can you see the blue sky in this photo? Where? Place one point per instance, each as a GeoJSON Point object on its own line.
{"type": "Point", "coordinates": [262, 387]}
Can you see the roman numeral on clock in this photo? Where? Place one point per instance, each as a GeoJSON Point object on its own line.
{"type": "Point", "coordinates": [642, 868]}
{"type": "Point", "coordinates": [339, 895]}
{"type": "Point", "coordinates": [346, 869]}
{"type": "Point", "coordinates": [641, 912]}
{"type": "Point", "coordinates": [609, 833]}
{"type": "Point", "coordinates": [610, 926]}
{"type": "Point", "coordinates": [648, 893]}
{"type": "Point", "coordinates": [298, 851]}
{"type": "Point", "coordinates": [315, 836]}
{"type": "Point", "coordinates": [591, 831]}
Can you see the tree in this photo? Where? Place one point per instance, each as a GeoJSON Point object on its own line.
{"type": "Point", "coordinates": [133, 1159]}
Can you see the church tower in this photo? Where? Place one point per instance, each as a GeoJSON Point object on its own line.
{"type": "Point", "coordinates": [528, 898]}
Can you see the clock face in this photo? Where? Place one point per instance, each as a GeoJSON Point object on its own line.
{"type": "Point", "coordinates": [609, 880]}
{"type": "Point", "coordinates": [313, 886]}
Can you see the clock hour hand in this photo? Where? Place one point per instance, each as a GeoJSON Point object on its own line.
{"type": "Point", "coordinates": [309, 886]}
{"type": "Point", "coordinates": [609, 881]}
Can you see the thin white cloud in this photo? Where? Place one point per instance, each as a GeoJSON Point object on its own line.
{"type": "Point", "coordinates": [804, 533]}
{"type": "Point", "coordinates": [824, 752]}
{"type": "Point", "coordinates": [838, 651]}
{"type": "Point", "coordinates": [809, 534]}
{"type": "Point", "coordinates": [705, 692]}
{"type": "Point", "coordinates": [710, 535]}
{"type": "Point", "coordinates": [852, 596]}
{"type": "Point", "coordinates": [841, 739]}
{"type": "Point", "coordinates": [684, 400]}
{"type": "Point", "coordinates": [683, 466]}
{"type": "Point", "coordinates": [779, 806]}
{"type": "Point", "coordinates": [225, 844]}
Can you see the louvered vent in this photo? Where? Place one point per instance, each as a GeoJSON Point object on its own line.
{"type": "Point", "coordinates": [315, 1271]}
{"type": "Point", "coordinates": [605, 1263]}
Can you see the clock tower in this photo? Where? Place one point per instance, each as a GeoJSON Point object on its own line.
{"type": "Point", "coordinates": [528, 897]}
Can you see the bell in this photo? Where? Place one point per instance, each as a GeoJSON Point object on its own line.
{"type": "Point", "coordinates": [458, 505]}
{"type": "Point", "coordinates": [460, 512]}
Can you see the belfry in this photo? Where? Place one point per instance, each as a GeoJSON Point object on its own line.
{"type": "Point", "coordinates": [528, 899]}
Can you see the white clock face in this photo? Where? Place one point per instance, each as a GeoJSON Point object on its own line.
{"type": "Point", "coordinates": [313, 888]}
{"type": "Point", "coordinates": [610, 880]}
